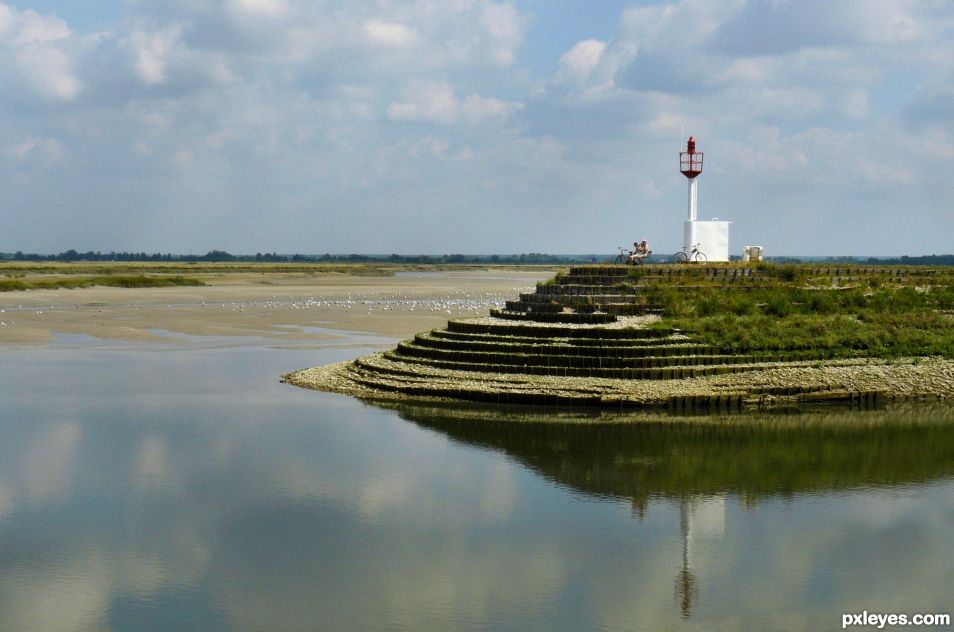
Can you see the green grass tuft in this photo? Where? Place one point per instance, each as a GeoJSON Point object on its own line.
{"type": "Point", "coordinates": [126, 281]}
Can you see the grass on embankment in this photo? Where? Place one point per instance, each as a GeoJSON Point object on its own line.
{"type": "Point", "coordinates": [125, 281]}
{"type": "Point", "coordinates": [874, 320]}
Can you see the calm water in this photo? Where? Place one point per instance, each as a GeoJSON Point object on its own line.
{"type": "Point", "coordinates": [146, 488]}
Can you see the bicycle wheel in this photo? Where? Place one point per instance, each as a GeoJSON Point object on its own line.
{"type": "Point", "coordinates": [680, 257]}
{"type": "Point", "coordinates": [620, 259]}
{"type": "Point", "coordinates": [701, 257]}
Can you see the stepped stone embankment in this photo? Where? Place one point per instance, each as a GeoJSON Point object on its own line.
{"type": "Point", "coordinates": [594, 337]}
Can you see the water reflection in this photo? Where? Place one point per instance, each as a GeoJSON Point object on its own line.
{"type": "Point", "coordinates": [640, 457]}
{"type": "Point", "coordinates": [701, 517]}
{"type": "Point", "coordinates": [191, 490]}
{"type": "Point", "coordinates": [699, 462]}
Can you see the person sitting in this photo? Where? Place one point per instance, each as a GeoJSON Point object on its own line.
{"type": "Point", "coordinates": [632, 253]}
{"type": "Point", "coordinates": [640, 252]}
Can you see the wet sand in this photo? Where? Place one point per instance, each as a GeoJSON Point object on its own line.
{"type": "Point", "coordinates": [275, 306]}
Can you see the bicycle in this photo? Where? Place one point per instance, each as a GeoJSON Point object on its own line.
{"type": "Point", "coordinates": [625, 257]}
{"type": "Point", "coordinates": [694, 255]}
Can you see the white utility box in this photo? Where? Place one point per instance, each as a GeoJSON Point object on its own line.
{"type": "Point", "coordinates": [712, 237]}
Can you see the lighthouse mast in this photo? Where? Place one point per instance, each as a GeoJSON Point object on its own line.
{"type": "Point", "coordinates": [690, 164]}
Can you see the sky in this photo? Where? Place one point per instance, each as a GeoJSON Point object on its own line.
{"type": "Point", "coordinates": [474, 126]}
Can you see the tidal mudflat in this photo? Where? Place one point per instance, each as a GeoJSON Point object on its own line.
{"type": "Point", "coordinates": [270, 303]}
{"type": "Point", "coordinates": [163, 478]}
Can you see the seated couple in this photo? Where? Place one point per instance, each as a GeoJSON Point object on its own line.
{"type": "Point", "coordinates": [640, 251]}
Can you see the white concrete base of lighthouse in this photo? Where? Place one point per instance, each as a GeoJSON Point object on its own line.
{"type": "Point", "coordinates": [712, 237]}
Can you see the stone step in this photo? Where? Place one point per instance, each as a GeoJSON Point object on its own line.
{"type": "Point", "coordinates": [620, 308]}
{"type": "Point", "coordinates": [661, 373]}
{"type": "Point", "coordinates": [569, 301]}
{"type": "Point", "coordinates": [543, 341]}
{"type": "Point", "coordinates": [538, 308]}
{"type": "Point", "coordinates": [416, 350]}
{"type": "Point", "coordinates": [474, 326]}
{"type": "Point", "coordinates": [600, 270]}
{"type": "Point", "coordinates": [464, 392]}
{"type": "Point", "coordinates": [379, 373]}
{"type": "Point", "coordinates": [429, 340]}
{"type": "Point", "coordinates": [578, 290]}
{"type": "Point", "coordinates": [601, 281]}
{"type": "Point", "coordinates": [584, 319]}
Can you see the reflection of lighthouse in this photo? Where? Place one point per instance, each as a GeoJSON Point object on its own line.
{"type": "Point", "coordinates": [713, 235]}
{"type": "Point", "coordinates": [700, 519]}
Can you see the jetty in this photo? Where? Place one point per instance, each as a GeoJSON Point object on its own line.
{"type": "Point", "coordinates": [612, 336]}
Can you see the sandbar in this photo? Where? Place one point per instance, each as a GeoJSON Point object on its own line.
{"type": "Point", "coordinates": [279, 307]}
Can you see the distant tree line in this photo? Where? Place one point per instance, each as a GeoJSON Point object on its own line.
{"type": "Point", "coordinates": [904, 260]}
{"type": "Point", "coordinates": [924, 260]}
{"type": "Point", "coordinates": [526, 258]}
{"type": "Point", "coordinates": [221, 255]}
{"type": "Point", "coordinates": [73, 255]}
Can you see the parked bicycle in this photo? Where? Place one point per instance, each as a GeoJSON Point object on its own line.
{"type": "Point", "coordinates": [694, 255]}
{"type": "Point", "coordinates": [630, 257]}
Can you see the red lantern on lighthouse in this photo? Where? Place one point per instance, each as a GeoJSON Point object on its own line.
{"type": "Point", "coordinates": [690, 161]}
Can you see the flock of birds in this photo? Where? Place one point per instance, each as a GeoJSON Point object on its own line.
{"type": "Point", "coordinates": [454, 303]}
{"type": "Point", "coordinates": [457, 302]}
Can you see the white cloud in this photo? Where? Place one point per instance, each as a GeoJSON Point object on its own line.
{"type": "Point", "coordinates": [476, 108]}
{"type": "Point", "coordinates": [268, 9]}
{"type": "Point", "coordinates": [443, 34]}
{"type": "Point", "coordinates": [505, 29]}
{"type": "Point", "coordinates": [764, 151]}
{"type": "Point", "coordinates": [6, 21]}
{"type": "Point", "coordinates": [435, 102]}
{"type": "Point", "coordinates": [747, 70]}
{"type": "Point", "coordinates": [390, 33]}
{"type": "Point", "coordinates": [49, 71]}
{"type": "Point", "coordinates": [432, 102]}
{"type": "Point", "coordinates": [151, 52]}
{"type": "Point", "coordinates": [157, 60]}
{"type": "Point", "coordinates": [577, 63]}
{"type": "Point", "coordinates": [779, 28]}
{"type": "Point", "coordinates": [38, 46]}
{"type": "Point", "coordinates": [794, 102]}
{"type": "Point", "coordinates": [29, 27]}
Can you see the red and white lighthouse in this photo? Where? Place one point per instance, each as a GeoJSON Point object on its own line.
{"type": "Point", "coordinates": [711, 236]}
{"type": "Point", "coordinates": [690, 164]}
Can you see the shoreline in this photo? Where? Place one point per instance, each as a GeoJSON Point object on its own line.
{"type": "Point", "coordinates": [280, 308]}
{"type": "Point", "coordinates": [861, 382]}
